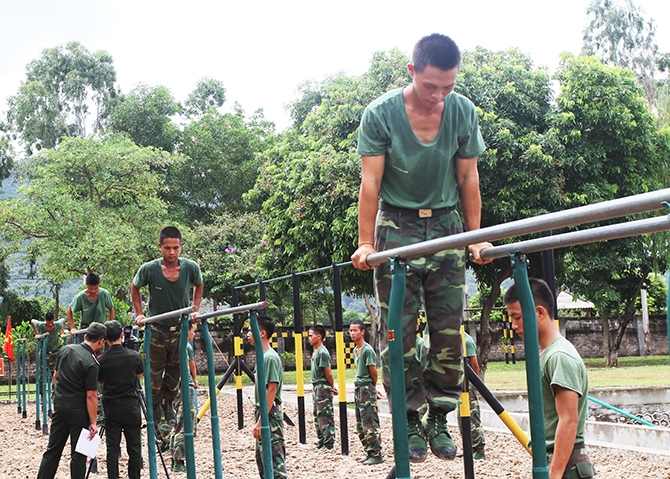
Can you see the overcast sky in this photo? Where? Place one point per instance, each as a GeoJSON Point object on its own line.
{"type": "Point", "coordinates": [262, 50]}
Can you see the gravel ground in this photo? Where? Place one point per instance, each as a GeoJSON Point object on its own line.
{"type": "Point", "coordinates": [22, 447]}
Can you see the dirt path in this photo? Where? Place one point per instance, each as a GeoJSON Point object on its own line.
{"type": "Point", "coordinates": [21, 448]}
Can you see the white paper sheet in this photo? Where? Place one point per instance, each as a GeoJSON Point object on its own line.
{"type": "Point", "coordinates": [86, 447]}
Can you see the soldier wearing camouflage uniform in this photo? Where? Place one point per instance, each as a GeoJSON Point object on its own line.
{"type": "Point", "coordinates": [419, 146]}
{"type": "Point", "coordinates": [177, 447]}
{"type": "Point", "coordinates": [323, 389]}
{"type": "Point", "coordinates": [170, 281]}
{"type": "Point", "coordinates": [565, 386]}
{"type": "Point", "coordinates": [274, 372]}
{"type": "Point", "coordinates": [53, 340]}
{"type": "Point", "coordinates": [366, 395]}
{"type": "Point", "coordinates": [478, 442]}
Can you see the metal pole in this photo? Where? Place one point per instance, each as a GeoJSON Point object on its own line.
{"type": "Point", "coordinates": [549, 270]}
{"type": "Point", "coordinates": [25, 383]}
{"type": "Point", "coordinates": [148, 395]}
{"type": "Point", "coordinates": [339, 348]}
{"type": "Point", "coordinates": [584, 214]}
{"type": "Point", "coordinates": [397, 367]}
{"type": "Point", "coordinates": [297, 341]}
{"type": "Point", "coordinates": [214, 415]}
{"type": "Point", "coordinates": [261, 385]}
{"type": "Point", "coordinates": [623, 413]}
{"type": "Point", "coordinates": [45, 423]}
{"type": "Point", "coordinates": [239, 351]}
{"type": "Point", "coordinates": [667, 310]}
{"type": "Point", "coordinates": [464, 410]}
{"type": "Point", "coordinates": [189, 446]}
{"type": "Point", "coordinates": [532, 346]}
{"type": "Point", "coordinates": [236, 309]}
{"type": "Point", "coordinates": [38, 352]}
{"type": "Point", "coordinates": [592, 235]}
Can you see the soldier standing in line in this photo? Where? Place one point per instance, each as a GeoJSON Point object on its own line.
{"type": "Point", "coordinates": [323, 389]}
{"type": "Point", "coordinates": [273, 379]}
{"type": "Point", "coordinates": [366, 395]}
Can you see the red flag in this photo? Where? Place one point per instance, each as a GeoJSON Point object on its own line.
{"type": "Point", "coordinates": [9, 343]}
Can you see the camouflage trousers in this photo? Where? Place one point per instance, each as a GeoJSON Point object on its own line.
{"type": "Point", "coordinates": [367, 418]}
{"type": "Point", "coordinates": [177, 447]}
{"type": "Point", "coordinates": [476, 429]}
{"type": "Point", "coordinates": [52, 356]}
{"type": "Point", "coordinates": [164, 364]}
{"type": "Point", "coordinates": [324, 417]}
{"type": "Point", "coordinates": [276, 421]}
{"type": "Point", "coordinates": [579, 465]}
{"type": "Point", "coordinates": [437, 282]}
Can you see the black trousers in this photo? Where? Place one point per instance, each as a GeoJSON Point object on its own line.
{"type": "Point", "coordinates": [65, 423]}
{"type": "Point", "coordinates": [130, 425]}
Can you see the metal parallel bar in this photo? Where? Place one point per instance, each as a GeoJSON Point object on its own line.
{"type": "Point", "coordinates": [592, 235]}
{"type": "Point", "coordinates": [184, 372]}
{"type": "Point", "coordinates": [261, 385]}
{"type": "Point", "coordinates": [397, 368]}
{"type": "Point", "coordinates": [151, 431]}
{"type": "Point", "coordinates": [324, 268]}
{"type": "Point", "coordinates": [532, 346]}
{"type": "Point", "coordinates": [623, 413]}
{"type": "Point", "coordinates": [560, 219]}
{"type": "Point", "coordinates": [213, 391]}
{"type": "Point", "coordinates": [234, 310]}
{"type": "Point", "coordinates": [168, 315]}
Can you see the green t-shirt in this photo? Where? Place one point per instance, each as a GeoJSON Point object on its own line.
{"type": "Point", "coordinates": [366, 358]}
{"type": "Point", "coordinates": [53, 340]}
{"type": "Point", "coordinates": [165, 295]}
{"type": "Point", "coordinates": [77, 373]}
{"type": "Point", "coordinates": [274, 373]}
{"type": "Point", "coordinates": [416, 174]}
{"type": "Point", "coordinates": [470, 346]}
{"type": "Point", "coordinates": [92, 312]}
{"type": "Point", "coordinates": [561, 365]}
{"type": "Point", "coordinates": [320, 360]}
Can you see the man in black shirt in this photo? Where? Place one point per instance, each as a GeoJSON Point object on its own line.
{"type": "Point", "coordinates": [75, 402]}
{"type": "Point", "coordinates": [119, 370]}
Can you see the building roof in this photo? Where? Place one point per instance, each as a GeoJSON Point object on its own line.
{"type": "Point", "coordinates": [567, 301]}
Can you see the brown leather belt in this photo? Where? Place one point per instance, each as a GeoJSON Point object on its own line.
{"type": "Point", "coordinates": [421, 213]}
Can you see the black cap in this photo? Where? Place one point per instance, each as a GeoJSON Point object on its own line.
{"type": "Point", "coordinates": [114, 328]}
{"type": "Point", "coordinates": [97, 328]}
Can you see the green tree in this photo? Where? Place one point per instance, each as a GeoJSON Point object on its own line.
{"type": "Point", "coordinates": [621, 36]}
{"type": "Point", "coordinates": [224, 153]}
{"type": "Point", "coordinates": [611, 149]}
{"type": "Point", "coordinates": [519, 174]}
{"type": "Point", "coordinates": [67, 92]}
{"type": "Point", "coordinates": [144, 114]}
{"type": "Point", "coordinates": [208, 93]}
{"type": "Point", "coordinates": [85, 207]}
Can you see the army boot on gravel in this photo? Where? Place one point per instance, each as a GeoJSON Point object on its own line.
{"type": "Point", "coordinates": [437, 433]}
{"type": "Point", "coordinates": [418, 450]}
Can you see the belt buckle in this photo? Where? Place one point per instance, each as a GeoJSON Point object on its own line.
{"type": "Point", "coordinates": [173, 329]}
{"type": "Point", "coordinates": [425, 213]}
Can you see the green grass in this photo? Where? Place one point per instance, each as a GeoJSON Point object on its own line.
{"type": "Point", "coordinates": [632, 371]}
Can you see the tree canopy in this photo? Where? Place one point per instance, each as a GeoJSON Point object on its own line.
{"type": "Point", "coordinates": [90, 205]}
{"type": "Point", "coordinates": [67, 92]}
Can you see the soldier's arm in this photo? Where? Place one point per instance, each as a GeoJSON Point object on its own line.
{"type": "Point", "coordinates": [92, 409]}
{"type": "Point", "coordinates": [467, 179]}
{"type": "Point", "coordinates": [70, 319]}
{"type": "Point", "coordinates": [329, 377]}
{"type": "Point", "coordinates": [372, 171]}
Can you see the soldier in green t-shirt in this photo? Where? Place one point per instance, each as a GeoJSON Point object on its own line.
{"type": "Point", "coordinates": [419, 147]}
{"type": "Point", "coordinates": [323, 389]}
{"type": "Point", "coordinates": [366, 395]}
{"type": "Point", "coordinates": [565, 386]}
{"type": "Point", "coordinates": [173, 283]}
{"type": "Point", "coordinates": [53, 342]}
{"type": "Point", "coordinates": [274, 373]}
{"type": "Point", "coordinates": [94, 303]}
